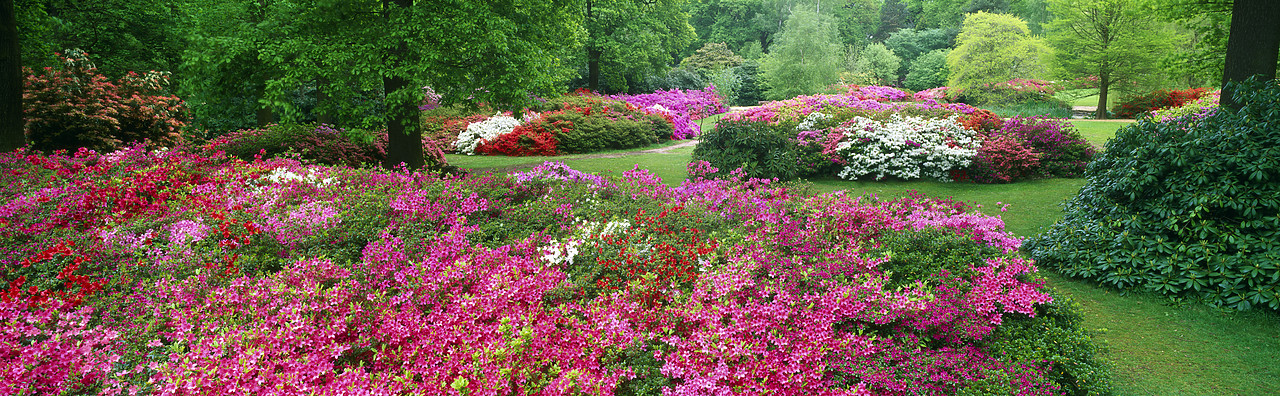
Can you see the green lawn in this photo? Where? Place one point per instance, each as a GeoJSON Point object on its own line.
{"type": "Point", "coordinates": [1157, 348]}
{"type": "Point", "coordinates": [1098, 132]}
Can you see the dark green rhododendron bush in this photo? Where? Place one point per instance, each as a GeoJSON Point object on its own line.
{"type": "Point", "coordinates": [1187, 207]}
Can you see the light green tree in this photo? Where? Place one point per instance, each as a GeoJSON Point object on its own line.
{"type": "Point", "coordinates": [994, 48]}
{"type": "Point", "coordinates": [806, 57]}
{"type": "Point", "coordinates": [1119, 41]}
{"type": "Point", "coordinates": [880, 63]}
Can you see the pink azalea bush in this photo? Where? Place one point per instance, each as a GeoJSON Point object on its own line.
{"type": "Point", "coordinates": [193, 272]}
{"type": "Point", "coordinates": [683, 107]}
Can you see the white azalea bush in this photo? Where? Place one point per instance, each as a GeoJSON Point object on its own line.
{"type": "Point", "coordinates": [904, 147]}
{"type": "Point", "coordinates": [486, 130]}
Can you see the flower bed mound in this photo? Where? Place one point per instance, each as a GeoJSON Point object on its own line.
{"type": "Point", "coordinates": [172, 272]}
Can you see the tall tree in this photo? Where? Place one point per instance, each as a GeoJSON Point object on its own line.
{"type": "Point", "coordinates": [632, 38]}
{"type": "Point", "coordinates": [806, 57]}
{"type": "Point", "coordinates": [1253, 46]}
{"type": "Point", "coordinates": [993, 48]}
{"type": "Point", "coordinates": [1119, 41]}
{"type": "Point", "coordinates": [11, 125]}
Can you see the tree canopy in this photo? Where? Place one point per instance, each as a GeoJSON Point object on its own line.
{"type": "Point", "coordinates": [806, 57]}
{"type": "Point", "coordinates": [993, 48]}
{"type": "Point", "coordinates": [1119, 41]}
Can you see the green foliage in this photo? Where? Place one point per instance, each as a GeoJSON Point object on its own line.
{"type": "Point", "coordinates": [123, 35]}
{"type": "Point", "coordinates": [760, 149]}
{"type": "Point", "coordinates": [1182, 210]}
{"type": "Point", "coordinates": [728, 82]}
{"type": "Point", "coordinates": [994, 48]}
{"type": "Point", "coordinates": [806, 57]}
{"type": "Point", "coordinates": [749, 90]}
{"type": "Point", "coordinates": [880, 63]}
{"type": "Point", "coordinates": [1057, 334]}
{"type": "Point", "coordinates": [712, 58]}
{"type": "Point", "coordinates": [311, 142]}
{"type": "Point", "coordinates": [681, 78]}
{"type": "Point", "coordinates": [1118, 41]}
{"type": "Point", "coordinates": [910, 44]}
{"type": "Point", "coordinates": [75, 106]}
{"type": "Point", "coordinates": [922, 255]}
{"type": "Point", "coordinates": [635, 38]}
{"type": "Point", "coordinates": [598, 131]}
{"type": "Point", "coordinates": [928, 71]}
{"type": "Point", "coordinates": [1200, 57]}
{"type": "Point", "coordinates": [934, 14]}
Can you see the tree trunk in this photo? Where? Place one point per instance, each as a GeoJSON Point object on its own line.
{"type": "Point", "coordinates": [1104, 87]}
{"type": "Point", "coordinates": [322, 111]}
{"type": "Point", "coordinates": [593, 69]}
{"type": "Point", "coordinates": [404, 132]}
{"type": "Point", "coordinates": [263, 114]}
{"type": "Point", "coordinates": [11, 124]}
{"type": "Point", "coordinates": [1252, 46]}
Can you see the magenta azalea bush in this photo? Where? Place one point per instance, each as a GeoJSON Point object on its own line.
{"type": "Point", "coordinates": [682, 107]}
{"type": "Point", "coordinates": [176, 272]}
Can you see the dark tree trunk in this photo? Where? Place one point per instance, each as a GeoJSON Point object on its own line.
{"type": "Point", "coordinates": [11, 124]}
{"type": "Point", "coordinates": [593, 69]}
{"type": "Point", "coordinates": [322, 111]}
{"type": "Point", "coordinates": [1104, 87]}
{"type": "Point", "coordinates": [1253, 44]}
{"type": "Point", "coordinates": [263, 114]}
{"type": "Point", "coordinates": [404, 134]}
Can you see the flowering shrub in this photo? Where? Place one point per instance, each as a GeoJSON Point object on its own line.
{"type": "Point", "coordinates": [1194, 110]}
{"type": "Point", "coordinates": [694, 104]}
{"type": "Point", "coordinates": [75, 107]}
{"type": "Point", "coordinates": [443, 129]}
{"type": "Point", "coordinates": [1144, 104]}
{"type": "Point", "coordinates": [1003, 159]}
{"type": "Point", "coordinates": [321, 143]}
{"type": "Point", "coordinates": [938, 94]}
{"type": "Point", "coordinates": [904, 147]}
{"type": "Point", "coordinates": [220, 275]}
{"type": "Point", "coordinates": [480, 132]}
{"type": "Point", "coordinates": [874, 92]}
{"type": "Point", "coordinates": [534, 138]}
{"type": "Point", "coordinates": [1063, 151]}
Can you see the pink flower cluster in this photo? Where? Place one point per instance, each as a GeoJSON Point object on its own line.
{"type": "Point", "coordinates": [683, 107]}
{"type": "Point", "coordinates": [877, 93]}
{"type": "Point", "coordinates": [797, 108]}
{"type": "Point", "coordinates": [274, 277]}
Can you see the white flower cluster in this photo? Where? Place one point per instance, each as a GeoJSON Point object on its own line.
{"type": "Point", "coordinates": [557, 252]}
{"type": "Point", "coordinates": [906, 147]}
{"type": "Point", "coordinates": [811, 121]}
{"type": "Point", "coordinates": [283, 176]}
{"type": "Point", "coordinates": [486, 130]}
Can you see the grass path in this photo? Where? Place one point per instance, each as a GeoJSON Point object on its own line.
{"type": "Point", "coordinates": [1157, 348]}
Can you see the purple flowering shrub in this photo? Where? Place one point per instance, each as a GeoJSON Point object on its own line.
{"type": "Point", "coordinates": [1063, 151]}
{"type": "Point", "coordinates": [681, 107]}
{"type": "Point", "coordinates": [198, 273]}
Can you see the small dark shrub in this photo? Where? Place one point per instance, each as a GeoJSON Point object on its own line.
{"type": "Point", "coordinates": [761, 150]}
{"type": "Point", "coordinates": [319, 143]}
{"type": "Point", "coordinates": [1181, 209]}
